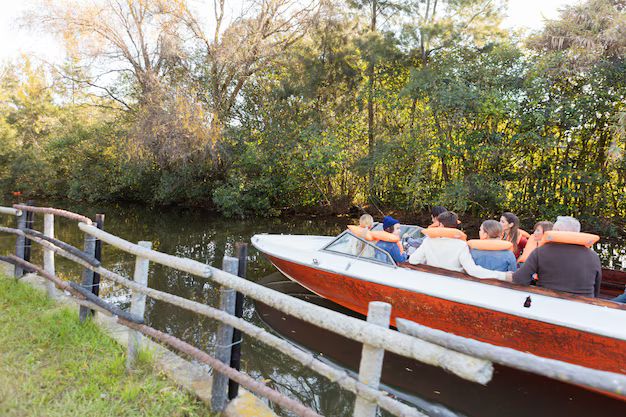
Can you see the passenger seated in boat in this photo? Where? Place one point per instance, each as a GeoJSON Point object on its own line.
{"type": "Point", "coordinates": [512, 232]}
{"type": "Point", "coordinates": [620, 298]}
{"type": "Point", "coordinates": [389, 240]}
{"type": "Point", "coordinates": [564, 261]}
{"type": "Point", "coordinates": [534, 239]}
{"type": "Point", "coordinates": [366, 222]}
{"type": "Point", "coordinates": [491, 252]}
{"type": "Point", "coordinates": [357, 247]}
{"type": "Point", "coordinates": [434, 213]}
{"type": "Point", "coordinates": [450, 252]}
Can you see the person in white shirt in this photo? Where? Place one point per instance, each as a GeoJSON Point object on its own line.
{"type": "Point", "coordinates": [449, 253]}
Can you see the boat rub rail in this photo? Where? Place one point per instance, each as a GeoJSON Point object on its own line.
{"type": "Point", "coordinates": [534, 290]}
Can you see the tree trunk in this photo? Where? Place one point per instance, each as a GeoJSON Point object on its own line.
{"type": "Point", "coordinates": [370, 106]}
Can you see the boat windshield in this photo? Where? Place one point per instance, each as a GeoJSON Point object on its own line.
{"type": "Point", "coordinates": [414, 232]}
{"type": "Point", "coordinates": [350, 245]}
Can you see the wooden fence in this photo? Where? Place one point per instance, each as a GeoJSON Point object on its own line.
{"type": "Point", "coordinates": [373, 333]}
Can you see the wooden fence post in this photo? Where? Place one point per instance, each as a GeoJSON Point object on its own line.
{"type": "Point", "coordinates": [19, 244]}
{"type": "Point", "coordinates": [98, 255]}
{"type": "Point", "coordinates": [235, 356]}
{"type": "Point", "coordinates": [219, 390]}
{"type": "Point", "coordinates": [137, 305]}
{"type": "Point", "coordinates": [87, 282]}
{"type": "Point", "coordinates": [48, 255]}
{"type": "Point", "coordinates": [30, 217]}
{"type": "Point", "coordinates": [371, 366]}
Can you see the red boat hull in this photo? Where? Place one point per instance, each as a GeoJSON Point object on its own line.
{"type": "Point", "coordinates": [542, 339]}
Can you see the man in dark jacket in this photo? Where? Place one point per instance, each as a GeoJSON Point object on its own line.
{"type": "Point", "coordinates": [562, 266]}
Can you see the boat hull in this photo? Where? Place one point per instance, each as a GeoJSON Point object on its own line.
{"type": "Point", "coordinates": [524, 334]}
{"type": "Point", "coordinates": [511, 393]}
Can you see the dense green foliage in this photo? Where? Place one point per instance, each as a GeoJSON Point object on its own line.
{"type": "Point", "coordinates": [397, 117]}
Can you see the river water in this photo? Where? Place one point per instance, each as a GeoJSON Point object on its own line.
{"type": "Point", "coordinates": [207, 238]}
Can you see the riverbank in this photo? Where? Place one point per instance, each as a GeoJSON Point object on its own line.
{"type": "Point", "coordinates": [54, 366]}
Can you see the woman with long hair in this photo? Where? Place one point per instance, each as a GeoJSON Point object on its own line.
{"type": "Point", "coordinates": [510, 225]}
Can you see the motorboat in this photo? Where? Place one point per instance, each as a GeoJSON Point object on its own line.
{"type": "Point", "coordinates": [511, 392]}
{"type": "Point", "coordinates": [352, 272]}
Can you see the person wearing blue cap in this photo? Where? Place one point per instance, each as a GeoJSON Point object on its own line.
{"type": "Point", "coordinates": [392, 227]}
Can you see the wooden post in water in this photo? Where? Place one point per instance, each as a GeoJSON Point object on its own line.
{"type": "Point", "coordinates": [235, 357]}
{"type": "Point", "coordinates": [48, 255]}
{"type": "Point", "coordinates": [219, 390]}
{"type": "Point", "coordinates": [19, 244]}
{"type": "Point", "coordinates": [137, 305]}
{"type": "Point", "coordinates": [87, 282]}
{"type": "Point", "coordinates": [371, 366]}
{"type": "Point", "coordinates": [30, 217]}
{"type": "Point", "coordinates": [98, 255]}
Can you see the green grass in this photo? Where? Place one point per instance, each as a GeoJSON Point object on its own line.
{"type": "Point", "coordinates": [51, 365]}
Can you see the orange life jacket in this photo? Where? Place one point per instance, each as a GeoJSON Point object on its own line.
{"type": "Point", "coordinates": [361, 232]}
{"type": "Point", "coordinates": [490, 244]}
{"type": "Point", "coordinates": [531, 245]}
{"type": "Point", "coordinates": [445, 232]}
{"type": "Point", "coordinates": [573, 238]}
{"type": "Point", "coordinates": [387, 237]}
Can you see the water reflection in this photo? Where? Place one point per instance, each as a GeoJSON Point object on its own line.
{"type": "Point", "coordinates": [198, 235]}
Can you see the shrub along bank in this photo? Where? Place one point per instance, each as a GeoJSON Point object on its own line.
{"type": "Point", "coordinates": [469, 117]}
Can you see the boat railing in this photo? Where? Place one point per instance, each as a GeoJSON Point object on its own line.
{"type": "Point", "coordinates": [374, 333]}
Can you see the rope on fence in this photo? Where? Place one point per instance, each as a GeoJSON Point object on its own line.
{"type": "Point", "coordinates": [340, 377]}
{"type": "Point", "coordinates": [107, 306]}
{"type": "Point", "coordinates": [246, 381]}
{"type": "Point", "coordinates": [56, 212]}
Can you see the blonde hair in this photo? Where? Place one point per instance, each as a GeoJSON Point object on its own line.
{"type": "Point", "coordinates": [493, 229]}
{"type": "Point", "coordinates": [366, 220]}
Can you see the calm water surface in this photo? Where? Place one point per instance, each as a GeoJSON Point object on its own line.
{"type": "Point", "coordinates": [195, 234]}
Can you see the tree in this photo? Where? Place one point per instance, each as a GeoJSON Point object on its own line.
{"type": "Point", "coordinates": [376, 46]}
{"type": "Point", "coordinates": [446, 24]}
{"type": "Point", "coordinates": [586, 33]}
{"type": "Point", "coordinates": [27, 105]}
{"type": "Point", "coordinates": [159, 83]}
{"type": "Point", "coordinates": [251, 41]}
